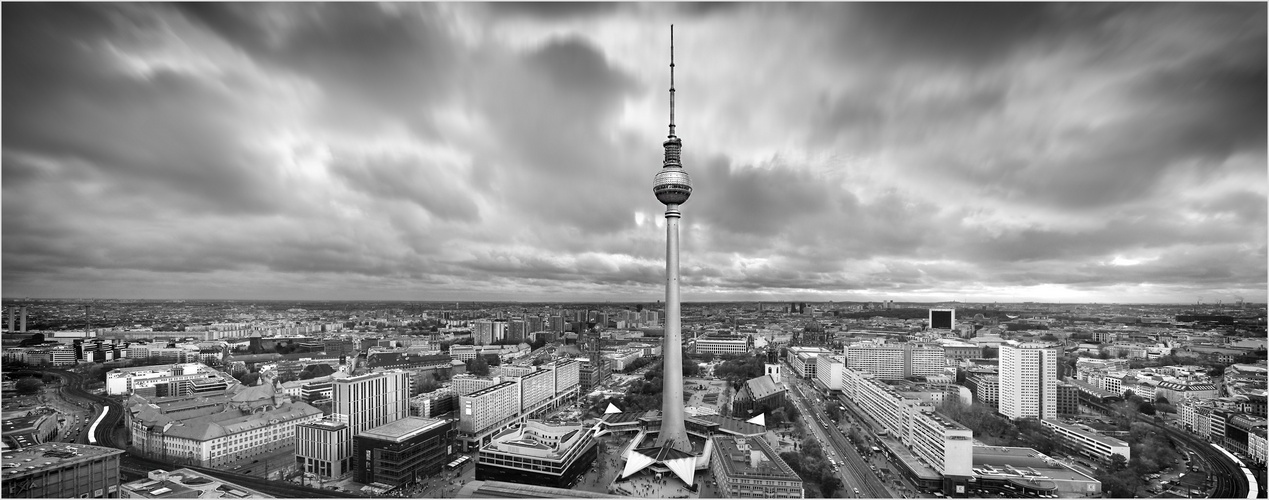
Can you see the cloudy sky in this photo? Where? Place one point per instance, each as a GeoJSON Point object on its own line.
{"type": "Point", "coordinates": [998, 152]}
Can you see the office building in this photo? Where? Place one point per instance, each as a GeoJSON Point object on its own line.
{"type": "Point", "coordinates": [985, 387]}
{"type": "Point", "coordinates": [724, 344]}
{"type": "Point", "coordinates": [1087, 441]}
{"type": "Point", "coordinates": [371, 400]}
{"type": "Point", "coordinates": [803, 360]}
{"type": "Point", "coordinates": [404, 451]}
{"type": "Point", "coordinates": [324, 448]}
{"type": "Point", "coordinates": [128, 380]}
{"type": "Point", "coordinates": [1068, 398]}
{"type": "Point", "coordinates": [749, 468]}
{"type": "Point", "coordinates": [1028, 381]}
{"type": "Point", "coordinates": [538, 453]}
{"type": "Point", "coordinates": [57, 470]}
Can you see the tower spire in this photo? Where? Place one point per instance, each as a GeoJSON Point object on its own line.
{"type": "Point", "coordinates": [671, 80]}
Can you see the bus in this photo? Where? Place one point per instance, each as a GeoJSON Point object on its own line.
{"type": "Point", "coordinates": [876, 449]}
{"type": "Point", "coordinates": [458, 463]}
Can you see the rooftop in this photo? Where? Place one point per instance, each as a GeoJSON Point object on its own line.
{"type": "Point", "coordinates": [1087, 432]}
{"type": "Point", "coordinates": [403, 429]}
{"type": "Point", "coordinates": [499, 489]}
{"type": "Point", "coordinates": [1021, 462]}
{"type": "Point", "coordinates": [737, 457]}
{"type": "Point", "coordinates": [40, 458]}
{"type": "Point", "coordinates": [185, 483]}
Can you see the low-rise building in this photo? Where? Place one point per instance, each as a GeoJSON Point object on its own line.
{"type": "Point", "coordinates": [324, 448]}
{"type": "Point", "coordinates": [724, 344]}
{"type": "Point", "coordinates": [404, 451]}
{"type": "Point", "coordinates": [538, 453]}
{"type": "Point", "coordinates": [1087, 441]}
{"type": "Point", "coordinates": [58, 470]}
{"type": "Point", "coordinates": [186, 483]}
{"type": "Point", "coordinates": [749, 468]}
{"type": "Point", "coordinates": [1023, 472]}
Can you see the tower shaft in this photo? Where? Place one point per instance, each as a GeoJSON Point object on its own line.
{"type": "Point", "coordinates": [673, 429]}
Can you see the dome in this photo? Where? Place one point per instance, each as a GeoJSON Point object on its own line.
{"type": "Point", "coordinates": [672, 186]}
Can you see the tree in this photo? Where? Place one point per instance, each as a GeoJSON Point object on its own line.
{"type": "Point", "coordinates": [991, 352]}
{"type": "Point", "coordinates": [1146, 408]}
{"type": "Point", "coordinates": [29, 386]}
{"type": "Point", "coordinates": [315, 370]}
{"type": "Point", "coordinates": [478, 366]}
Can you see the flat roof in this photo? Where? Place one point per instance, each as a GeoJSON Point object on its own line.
{"type": "Point", "coordinates": [737, 461]}
{"type": "Point", "coordinates": [180, 482]}
{"type": "Point", "coordinates": [40, 458]}
{"type": "Point", "coordinates": [1087, 433]}
{"type": "Point", "coordinates": [1005, 460]}
{"type": "Point", "coordinates": [326, 424]}
{"type": "Point", "coordinates": [405, 428]}
{"type": "Point", "coordinates": [500, 489]}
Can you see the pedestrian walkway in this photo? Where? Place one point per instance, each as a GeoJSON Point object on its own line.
{"type": "Point", "coordinates": [650, 485]}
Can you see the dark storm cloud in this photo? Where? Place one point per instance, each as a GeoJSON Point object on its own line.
{"type": "Point", "coordinates": [507, 150]}
{"type": "Point", "coordinates": [549, 109]}
{"type": "Point", "coordinates": [952, 34]}
{"type": "Point", "coordinates": [412, 179]}
{"type": "Point", "coordinates": [64, 101]}
{"type": "Point", "coordinates": [764, 200]}
{"type": "Point", "coordinates": [553, 10]}
{"type": "Point", "coordinates": [396, 59]}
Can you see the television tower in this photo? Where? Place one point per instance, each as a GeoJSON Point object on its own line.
{"type": "Point", "coordinates": [672, 188]}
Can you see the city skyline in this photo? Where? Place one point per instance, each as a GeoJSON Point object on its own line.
{"type": "Point", "coordinates": [466, 152]}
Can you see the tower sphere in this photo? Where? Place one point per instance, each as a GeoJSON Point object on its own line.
{"type": "Point", "coordinates": [672, 186]}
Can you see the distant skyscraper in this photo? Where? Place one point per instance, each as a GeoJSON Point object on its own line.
{"type": "Point", "coordinates": [23, 318]}
{"type": "Point", "coordinates": [672, 187]}
{"type": "Point", "coordinates": [1028, 381]}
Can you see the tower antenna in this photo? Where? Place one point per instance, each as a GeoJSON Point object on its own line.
{"type": "Point", "coordinates": [671, 80]}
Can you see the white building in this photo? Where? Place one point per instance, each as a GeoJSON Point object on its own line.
{"type": "Point", "coordinates": [1088, 442]}
{"type": "Point", "coordinates": [828, 372]}
{"type": "Point", "coordinates": [724, 344]}
{"type": "Point", "coordinates": [896, 361]}
{"type": "Point", "coordinates": [370, 400]}
{"type": "Point", "coordinates": [940, 442]}
{"type": "Point", "coordinates": [1028, 381]}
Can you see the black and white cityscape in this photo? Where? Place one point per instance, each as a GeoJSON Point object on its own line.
{"type": "Point", "coordinates": [661, 250]}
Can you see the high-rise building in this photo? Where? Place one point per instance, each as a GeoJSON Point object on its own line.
{"type": "Point", "coordinates": [485, 412]}
{"type": "Point", "coordinates": [1028, 381]}
{"type": "Point", "coordinates": [371, 400]}
{"type": "Point", "coordinates": [896, 361]}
